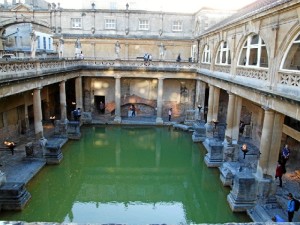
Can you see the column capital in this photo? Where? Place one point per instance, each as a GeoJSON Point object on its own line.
{"type": "Point", "coordinates": [39, 88]}
{"type": "Point", "coordinates": [266, 108]}
{"type": "Point", "coordinates": [117, 76]}
{"type": "Point", "coordinates": [160, 78]}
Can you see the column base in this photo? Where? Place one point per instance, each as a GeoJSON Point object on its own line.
{"type": "Point", "coordinates": [159, 120]}
{"type": "Point", "coordinates": [118, 119]}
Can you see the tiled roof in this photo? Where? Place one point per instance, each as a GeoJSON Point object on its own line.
{"type": "Point", "coordinates": [248, 11]}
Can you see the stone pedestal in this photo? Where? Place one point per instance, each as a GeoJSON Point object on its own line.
{"type": "Point", "coordinates": [227, 172]}
{"type": "Point", "coordinates": [199, 134]}
{"type": "Point", "coordinates": [86, 118]}
{"type": "Point", "coordinates": [73, 130]}
{"type": "Point", "coordinates": [214, 156]}
{"type": "Point", "coordinates": [159, 121]}
{"type": "Point", "coordinates": [29, 149]}
{"type": "Point", "coordinates": [52, 150]}
{"type": "Point", "coordinates": [13, 196]}
{"type": "Point", "coordinates": [60, 127]}
{"type": "Point", "coordinates": [230, 152]}
{"type": "Point", "coordinates": [117, 120]}
{"type": "Point", "coordinates": [243, 194]}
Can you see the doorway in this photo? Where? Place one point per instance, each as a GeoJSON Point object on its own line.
{"type": "Point", "coordinates": [97, 101]}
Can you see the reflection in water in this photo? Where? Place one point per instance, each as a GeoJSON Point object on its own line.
{"type": "Point", "coordinates": [132, 175]}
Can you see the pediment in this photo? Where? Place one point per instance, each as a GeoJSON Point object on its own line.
{"type": "Point", "coordinates": [21, 8]}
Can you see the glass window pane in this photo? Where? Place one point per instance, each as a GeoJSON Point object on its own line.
{"type": "Point", "coordinates": [253, 57]}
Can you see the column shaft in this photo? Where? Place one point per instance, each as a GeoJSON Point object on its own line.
{"type": "Point", "coordinates": [216, 103]}
{"type": "Point", "coordinates": [78, 90]}
{"type": "Point", "coordinates": [210, 104]}
{"type": "Point", "coordinates": [230, 115]}
{"type": "Point", "coordinates": [63, 102]}
{"type": "Point", "coordinates": [237, 118]}
{"type": "Point", "coordinates": [118, 100]}
{"type": "Point", "coordinates": [159, 100]}
{"type": "Point", "coordinates": [37, 110]}
{"type": "Point", "coordinates": [265, 143]}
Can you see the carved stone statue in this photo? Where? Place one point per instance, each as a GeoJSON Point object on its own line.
{"type": "Point", "coordinates": [77, 48]}
{"type": "Point", "coordinates": [162, 50]}
{"type": "Point", "coordinates": [33, 43]}
{"type": "Point", "coordinates": [117, 49]}
{"type": "Point", "coordinates": [61, 47]}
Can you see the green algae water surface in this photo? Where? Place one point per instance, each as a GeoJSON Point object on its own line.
{"type": "Point", "coordinates": [129, 175]}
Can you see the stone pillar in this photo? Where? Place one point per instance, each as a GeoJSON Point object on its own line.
{"type": "Point", "coordinates": [118, 99]}
{"type": "Point", "coordinates": [230, 150]}
{"type": "Point", "coordinates": [276, 143]}
{"type": "Point", "coordinates": [230, 115]}
{"type": "Point", "coordinates": [236, 119]}
{"type": "Point", "coordinates": [243, 194]}
{"type": "Point", "coordinates": [63, 102]}
{"type": "Point", "coordinates": [37, 110]}
{"type": "Point", "coordinates": [265, 143]}
{"type": "Point", "coordinates": [216, 103]}
{"type": "Point", "coordinates": [200, 97]}
{"type": "Point", "coordinates": [210, 107]}
{"type": "Point", "coordinates": [78, 90]}
{"type": "Point", "coordinates": [160, 91]}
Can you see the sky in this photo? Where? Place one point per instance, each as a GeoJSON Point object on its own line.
{"type": "Point", "coordinates": [189, 6]}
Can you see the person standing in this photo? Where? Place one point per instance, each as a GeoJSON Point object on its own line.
{"type": "Point", "coordinates": [133, 110]}
{"type": "Point", "coordinates": [285, 154]}
{"type": "Point", "coordinates": [170, 114]}
{"type": "Point", "coordinates": [102, 107]}
{"type": "Point", "coordinates": [178, 58]}
{"type": "Point", "coordinates": [78, 114]}
{"type": "Point", "coordinates": [290, 207]}
{"type": "Point", "coordinates": [279, 173]}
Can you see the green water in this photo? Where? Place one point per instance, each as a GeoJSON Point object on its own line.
{"type": "Point", "coordinates": [129, 175]}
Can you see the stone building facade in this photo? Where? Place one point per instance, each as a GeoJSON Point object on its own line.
{"type": "Point", "coordinates": [243, 69]}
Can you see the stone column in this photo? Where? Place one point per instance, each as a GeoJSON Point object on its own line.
{"type": "Point", "coordinates": [236, 119]}
{"type": "Point", "coordinates": [216, 103]}
{"type": "Point", "coordinates": [210, 104]}
{"type": "Point", "coordinates": [160, 91]}
{"type": "Point", "coordinates": [78, 90]}
{"type": "Point", "coordinates": [230, 150]}
{"type": "Point", "coordinates": [200, 97]}
{"type": "Point", "coordinates": [230, 115]}
{"type": "Point", "coordinates": [276, 143]}
{"type": "Point", "coordinates": [37, 110]}
{"type": "Point", "coordinates": [63, 102]}
{"type": "Point", "coordinates": [265, 143]}
{"type": "Point", "coordinates": [118, 99]}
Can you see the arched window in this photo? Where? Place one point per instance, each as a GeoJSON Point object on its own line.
{"type": "Point", "coordinates": [223, 54]}
{"type": "Point", "coordinates": [291, 60]}
{"type": "Point", "coordinates": [254, 52]}
{"type": "Point", "coordinates": [206, 54]}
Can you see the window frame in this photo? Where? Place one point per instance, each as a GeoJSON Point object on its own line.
{"type": "Point", "coordinates": [75, 21]}
{"type": "Point", "coordinates": [251, 52]}
{"type": "Point", "coordinates": [221, 52]}
{"type": "Point", "coordinates": [110, 23]}
{"type": "Point", "coordinates": [144, 26]}
{"type": "Point", "coordinates": [177, 26]}
{"type": "Point", "coordinates": [206, 55]}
